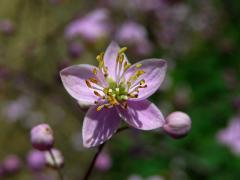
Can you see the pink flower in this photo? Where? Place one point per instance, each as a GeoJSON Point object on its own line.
{"type": "Point", "coordinates": [91, 27]}
{"type": "Point", "coordinates": [114, 90]}
{"type": "Point", "coordinates": [103, 162]}
{"type": "Point", "coordinates": [230, 136]}
{"type": "Point", "coordinates": [134, 35]}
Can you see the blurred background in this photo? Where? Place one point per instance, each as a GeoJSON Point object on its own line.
{"type": "Point", "coordinates": [199, 39]}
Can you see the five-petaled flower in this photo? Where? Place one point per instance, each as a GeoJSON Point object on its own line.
{"type": "Point", "coordinates": [115, 90]}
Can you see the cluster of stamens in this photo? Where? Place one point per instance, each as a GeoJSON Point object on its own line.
{"type": "Point", "coordinates": [120, 90]}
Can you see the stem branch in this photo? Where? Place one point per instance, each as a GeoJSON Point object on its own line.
{"type": "Point", "coordinates": [56, 165]}
{"type": "Point", "coordinates": [100, 148]}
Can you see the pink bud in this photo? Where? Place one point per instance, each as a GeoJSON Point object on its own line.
{"type": "Point", "coordinates": [11, 164]}
{"type": "Point", "coordinates": [178, 124]}
{"type": "Point", "coordinates": [103, 162]}
{"type": "Point", "coordinates": [42, 137]}
{"type": "Point", "coordinates": [36, 160]}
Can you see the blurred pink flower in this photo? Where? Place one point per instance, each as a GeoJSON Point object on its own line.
{"type": "Point", "coordinates": [103, 162]}
{"type": "Point", "coordinates": [6, 27]}
{"type": "Point", "coordinates": [230, 136]}
{"type": "Point", "coordinates": [36, 160]}
{"type": "Point", "coordinates": [115, 90]}
{"type": "Point", "coordinates": [12, 164]}
{"type": "Point", "coordinates": [91, 27]}
{"type": "Point", "coordinates": [134, 35]}
{"type": "Point", "coordinates": [17, 109]}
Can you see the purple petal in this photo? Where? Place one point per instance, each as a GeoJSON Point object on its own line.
{"type": "Point", "coordinates": [155, 70]}
{"type": "Point", "coordinates": [110, 57]}
{"type": "Point", "coordinates": [142, 115]}
{"type": "Point", "coordinates": [73, 79]}
{"type": "Point", "coordinates": [99, 126]}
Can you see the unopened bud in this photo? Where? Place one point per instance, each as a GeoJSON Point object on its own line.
{"type": "Point", "coordinates": [103, 162]}
{"type": "Point", "coordinates": [178, 124]}
{"type": "Point", "coordinates": [42, 137]}
{"type": "Point", "coordinates": [36, 160]}
{"type": "Point", "coordinates": [11, 164]}
{"type": "Point", "coordinates": [54, 158]}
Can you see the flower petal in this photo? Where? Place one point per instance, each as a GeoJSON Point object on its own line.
{"type": "Point", "coordinates": [73, 79]}
{"type": "Point", "coordinates": [99, 126]}
{"type": "Point", "coordinates": [155, 70]}
{"type": "Point", "coordinates": [142, 115]}
{"type": "Point", "coordinates": [110, 57]}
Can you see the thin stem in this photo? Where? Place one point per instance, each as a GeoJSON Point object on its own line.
{"type": "Point", "coordinates": [56, 166]}
{"type": "Point", "coordinates": [100, 148]}
{"type": "Point", "coordinates": [90, 168]}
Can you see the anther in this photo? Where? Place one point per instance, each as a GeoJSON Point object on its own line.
{"type": "Point", "coordinates": [142, 82]}
{"type": "Point", "coordinates": [139, 73]}
{"type": "Point", "coordinates": [99, 108]}
{"type": "Point", "coordinates": [95, 71]}
{"type": "Point", "coordinates": [138, 65]}
{"type": "Point", "coordinates": [126, 66]}
{"type": "Point", "coordinates": [133, 95]}
{"type": "Point", "coordinates": [93, 80]}
{"type": "Point", "coordinates": [107, 106]}
{"type": "Point", "coordinates": [122, 50]}
{"type": "Point", "coordinates": [121, 58]}
{"type": "Point", "coordinates": [144, 86]}
{"type": "Point", "coordinates": [97, 94]}
{"type": "Point", "coordinates": [88, 84]}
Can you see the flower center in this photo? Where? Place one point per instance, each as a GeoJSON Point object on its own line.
{"type": "Point", "coordinates": [120, 90]}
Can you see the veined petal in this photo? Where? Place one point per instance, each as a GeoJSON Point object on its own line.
{"type": "Point", "coordinates": [142, 115]}
{"type": "Point", "coordinates": [73, 79]}
{"type": "Point", "coordinates": [110, 57]}
{"type": "Point", "coordinates": [155, 70]}
{"type": "Point", "coordinates": [99, 126]}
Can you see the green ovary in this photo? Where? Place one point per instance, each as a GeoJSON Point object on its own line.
{"type": "Point", "coordinates": [117, 91]}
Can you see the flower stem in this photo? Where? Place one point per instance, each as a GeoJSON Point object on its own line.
{"type": "Point", "coordinates": [56, 166]}
{"type": "Point", "coordinates": [100, 148]}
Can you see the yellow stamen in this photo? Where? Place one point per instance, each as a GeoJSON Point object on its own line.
{"type": "Point", "coordinates": [95, 71]}
{"type": "Point", "coordinates": [142, 82]}
{"type": "Point", "coordinates": [99, 108]}
{"type": "Point", "coordinates": [126, 66]}
{"type": "Point", "coordinates": [144, 86]}
{"type": "Point", "coordinates": [107, 106]}
{"type": "Point", "coordinates": [138, 65]}
{"type": "Point", "coordinates": [121, 58]}
{"type": "Point", "coordinates": [139, 73]}
{"type": "Point", "coordinates": [122, 50]}
{"type": "Point", "coordinates": [132, 95]}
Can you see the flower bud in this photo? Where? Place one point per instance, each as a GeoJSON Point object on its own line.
{"type": "Point", "coordinates": [103, 162]}
{"type": "Point", "coordinates": [6, 27]}
{"type": "Point", "coordinates": [178, 124]}
{"type": "Point", "coordinates": [11, 164]}
{"type": "Point", "coordinates": [54, 158]}
{"type": "Point", "coordinates": [42, 137]}
{"type": "Point", "coordinates": [36, 160]}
